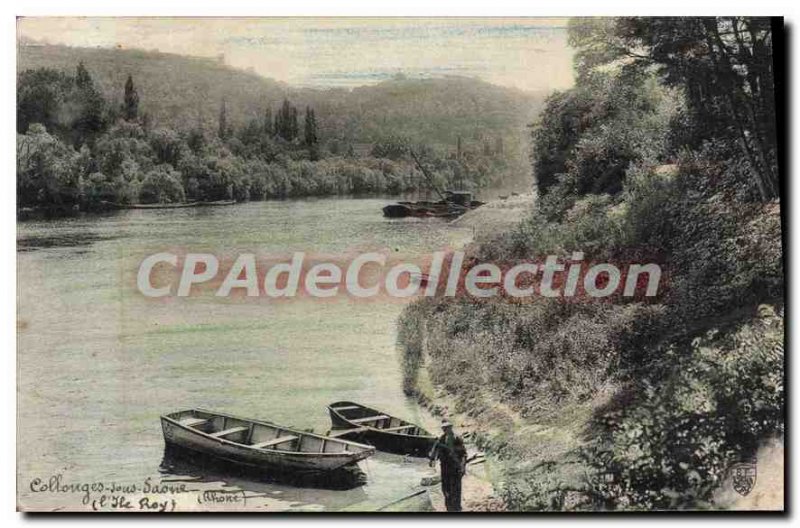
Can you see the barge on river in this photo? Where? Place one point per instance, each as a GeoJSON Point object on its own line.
{"type": "Point", "coordinates": [450, 205]}
{"type": "Point", "coordinates": [454, 204]}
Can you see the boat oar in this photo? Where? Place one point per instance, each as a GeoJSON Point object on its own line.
{"type": "Point", "coordinates": [411, 496]}
{"type": "Point", "coordinates": [474, 458]}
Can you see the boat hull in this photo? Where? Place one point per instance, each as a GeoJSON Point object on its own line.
{"type": "Point", "coordinates": [427, 209]}
{"type": "Point", "coordinates": [183, 437]}
{"type": "Point", "coordinates": [418, 445]}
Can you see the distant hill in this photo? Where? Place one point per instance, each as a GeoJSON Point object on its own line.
{"type": "Point", "coordinates": [178, 91]}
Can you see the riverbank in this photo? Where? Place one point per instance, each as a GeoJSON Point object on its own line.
{"type": "Point", "coordinates": [555, 418]}
{"type": "Point", "coordinates": [483, 429]}
{"type": "Point", "coordinates": [478, 484]}
{"type": "Point", "coordinates": [496, 216]}
{"type": "Point", "coordinates": [540, 459]}
{"type": "Point", "coordinates": [53, 212]}
{"type": "Point", "coordinates": [506, 437]}
{"type": "Point", "coordinates": [630, 404]}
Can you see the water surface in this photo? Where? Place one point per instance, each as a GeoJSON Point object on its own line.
{"type": "Point", "coordinates": [98, 362]}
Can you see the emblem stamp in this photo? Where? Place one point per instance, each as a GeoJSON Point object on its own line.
{"type": "Point", "coordinates": [743, 477]}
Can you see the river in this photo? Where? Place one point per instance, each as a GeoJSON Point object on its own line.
{"type": "Point", "coordinates": [98, 363]}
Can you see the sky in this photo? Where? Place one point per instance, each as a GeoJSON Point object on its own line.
{"type": "Point", "coordinates": [525, 53]}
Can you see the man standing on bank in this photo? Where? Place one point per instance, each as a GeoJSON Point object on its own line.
{"type": "Point", "coordinates": [452, 455]}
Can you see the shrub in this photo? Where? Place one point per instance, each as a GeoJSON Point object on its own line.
{"type": "Point", "coordinates": [410, 336]}
{"type": "Point", "coordinates": [587, 138]}
{"type": "Point", "coordinates": [162, 185]}
{"type": "Point", "coordinates": [48, 170]}
{"type": "Point", "coordinates": [703, 405]}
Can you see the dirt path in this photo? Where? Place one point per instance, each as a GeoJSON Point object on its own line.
{"type": "Point", "coordinates": [497, 216]}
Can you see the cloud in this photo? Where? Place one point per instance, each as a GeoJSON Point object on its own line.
{"type": "Point", "coordinates": [525, 53]}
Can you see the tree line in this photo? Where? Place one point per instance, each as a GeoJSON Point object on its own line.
{"type": "Point", "coordinates": [77, 151]}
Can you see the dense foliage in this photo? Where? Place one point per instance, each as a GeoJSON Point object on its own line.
{"type": "Point", "coordinates": [723, 64]}
{"type": "Point", "coordinates": [181, 92]}
{"type": "Point", "coordinates": [76, 150]}
{"type": "Point", "coordinates": [700, 405]}
{"type": "Point", "coordinates": [588, 136]}
{"type": "Point", "coordinates": [693, 379]}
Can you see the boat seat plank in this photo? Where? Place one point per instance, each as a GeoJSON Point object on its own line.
{"type": "Point", "coordinates": [371, 418]}
{"type": "Point", "coordinates": [193, 422]}
{"type": "Point", "coordinates": [400, 428]}
{"type": "Point", "coordinates": [341, 432]}
{"type": "Point", "coordinates": [232, 430]}
{"type": "Point", "coordinates": [274, 441]}
{"type": "Point", "coordinates": [346, 408]}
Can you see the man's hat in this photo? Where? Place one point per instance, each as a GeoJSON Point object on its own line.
{"type": "Point", "coordinates": [446, 423]}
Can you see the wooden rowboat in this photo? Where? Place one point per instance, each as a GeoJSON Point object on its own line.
{"type": "Point", "coordinates": [385, 432]}
{"type": "Point", "coordinates": [178, 205]}
{"type": "Point", "coordinates": [258, 444]}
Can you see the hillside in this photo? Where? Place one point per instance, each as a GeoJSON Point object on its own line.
{"type": "Point", "coordinates": [177, 90]}
{"type": "Point", "coordinates": [625, 401]}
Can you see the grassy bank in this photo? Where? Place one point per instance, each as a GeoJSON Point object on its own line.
{"type": "Point", "coordinates": [626, 403]}
{"type": "Point", "coordinates": [601, 406]}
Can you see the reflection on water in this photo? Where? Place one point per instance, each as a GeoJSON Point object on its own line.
{"type": "Point", "coordinates": [203, 468]}
{"type": "Point", "coordinates": [98, 363]}
{"type": "Point", "coordinates": [69, 240]}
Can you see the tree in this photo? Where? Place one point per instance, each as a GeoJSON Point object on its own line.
{"type": "Point", "coordinates": [82, 78]}
{"type": "Point", "coordinates": [196, 138]}
{"type": "Point", "coordinates": [131, 104]}
{"type": "Point", "coordinates": [588, 136]}
{"type": "Point", "coordinates": [40, 96]}
{"type": "Point", "coordinates": [47, 173]}
{"type": "Point", "coordinates": [311, 138]}
{"type": "Point", "coordinates": [70, 107]}
{"type": "Point", "coordinates": [565, 115]}
{"type": "Point", "coordinates": [167, 146]}
{"type": "Point", "coordinates": [87, 108]}
{"type": "Point", "coordinates": [223, 121]}
{"type": "Point", "coordinates": [268, 128]}
{"type": "Point", "coordinates": [162, 185]}
{"type": "Point", "coordinates": [286, 125]}
{"type": "Point", "coordinates": [724, 64]}
{"type": "Point", "coordinates": [294, 128]}
{"type": "Point", "coordinates": [282, 120]}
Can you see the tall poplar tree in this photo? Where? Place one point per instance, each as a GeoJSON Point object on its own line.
{"type": "Point", "coordinates": [268, 130]}
{"type": "Point", "coordinates": [223, 120]}
{"type": "Point", "coordinates": [131, 105]}
{"type": "Point", "coordinates": [310, 128]}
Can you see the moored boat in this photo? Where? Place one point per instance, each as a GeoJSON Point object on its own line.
{"type": "Point", "coordinates": [177, 205]}
{"type": "Point", "coordinates": [451, 204]}
{"type": "Point", "coordinates": [420, 210]}
{"type": "Point", "coordinates": [376, 428]}
{"type": "Point", "coordinates": [258, 444]}
{"type": "Point", "coordinates": [455, 203]}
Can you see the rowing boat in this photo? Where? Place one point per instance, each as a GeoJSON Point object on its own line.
{"type": "Point", "coordinates": [258, 444]}
{"type": "Point", "coordinates": [385, 432]}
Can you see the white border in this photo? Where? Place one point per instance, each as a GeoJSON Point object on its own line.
{"type": "Point", "coordinates": [316, 8]}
